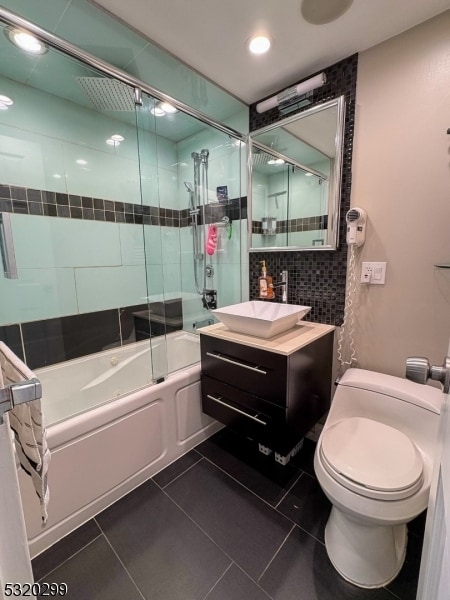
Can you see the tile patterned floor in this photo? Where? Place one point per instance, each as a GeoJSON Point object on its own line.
{"type": "Point", "coordinates": [223, 522]}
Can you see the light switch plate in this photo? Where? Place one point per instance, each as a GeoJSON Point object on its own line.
{"type": "Point", "coordinates": [373, 273]}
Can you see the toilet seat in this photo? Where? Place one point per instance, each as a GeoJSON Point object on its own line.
{"type": "Point", "coordinates": [372, 459]}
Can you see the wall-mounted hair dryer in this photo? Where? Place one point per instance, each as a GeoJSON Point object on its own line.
{"type": "Point", "coordinates": [356, 226]}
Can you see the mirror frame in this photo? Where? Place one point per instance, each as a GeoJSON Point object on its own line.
{"type": "Point", "coordinates": [334, 200]}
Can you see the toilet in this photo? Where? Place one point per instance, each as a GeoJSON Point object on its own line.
{"type": "Point", "coordinates": [374, 462]}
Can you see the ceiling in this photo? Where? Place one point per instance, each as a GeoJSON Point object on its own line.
{"type": "Point", "coordinates": [210, 36]}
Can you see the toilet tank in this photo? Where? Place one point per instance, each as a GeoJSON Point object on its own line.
{"type": "Point", "coordinates": [410, 407]}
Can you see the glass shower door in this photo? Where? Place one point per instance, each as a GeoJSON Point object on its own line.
{"type": "Point", "coordinates": [155, 169]}
{"type": "Point", "coordinates": [70, 185]}
{"type": "Point", "coordinates": [192, 211]}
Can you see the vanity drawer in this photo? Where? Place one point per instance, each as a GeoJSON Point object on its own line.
{"type": "Point", "coordinates": [239, 409]}
{"type": "Point", "coordinates": [255, 371]}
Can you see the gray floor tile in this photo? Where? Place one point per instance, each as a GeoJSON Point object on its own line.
{"type": "Point", "coordinates": [64, 549]}
{"type": "Point", "coordinates": [95, 573]}
{"type": "Point", "coordinates": [307, 506]}
{"type": "Point", "coordinates": [236, 585]}
{"type": "Point", "coordinates": [239, 522]}
{"type": "Point", "coordinates": [166, 554]}
{"type": "Point", "coordinates": [241, 459]}
{"type": "Point", "coordinates": [171, 472]}
{"type": "Point", "coordinates": [302, 571]}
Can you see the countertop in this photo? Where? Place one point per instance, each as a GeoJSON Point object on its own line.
{"type": "Point", "coordinates": [302, 334]}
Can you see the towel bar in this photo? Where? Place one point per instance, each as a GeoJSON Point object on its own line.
{"type": "Point", "coordinates": [19, 393]}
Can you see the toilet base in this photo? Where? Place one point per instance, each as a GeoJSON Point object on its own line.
{"type": "Point", "coordinates": [367, 556]}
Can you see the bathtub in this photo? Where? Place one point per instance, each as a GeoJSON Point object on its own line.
{"type": "Point", "coordinates": [104, 440]}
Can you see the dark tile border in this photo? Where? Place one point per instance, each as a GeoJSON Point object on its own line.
{"type": "Point", "coordinates": [316, 222]}
{"type": "Point", "coordinates": [28, 201]}
{"type": "Point", "coordinates": [12, 337]}
{"type": "Point", "coordinates": [317, 278]}
{"type": "Point", "coordinates": [50, 341]}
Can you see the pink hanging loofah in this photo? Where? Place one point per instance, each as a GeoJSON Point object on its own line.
{"type": "Point", "coordinates": [211, 242]}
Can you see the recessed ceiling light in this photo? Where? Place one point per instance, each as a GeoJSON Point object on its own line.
{"type": "Point", "coordinates": [26, 41]}
{"type": "Point", "coordinates": [275, 161]}
{"type": "Point", "coordinates": [259, 44]}
{"type": "Point", "coordinates": [81, 161]}
{"type": "Point", "coordinates": [168, 108]}
{"type": "Point", "coordinates": [115, 139]}
{"type": "Point", "coordinates": [308, 174]}
{"type": "Point", "coordinates": [157, 111]}
{"type": "Point", "coordinates": [5, 102]}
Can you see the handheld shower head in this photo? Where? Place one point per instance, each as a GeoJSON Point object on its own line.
{"type": "Point", "coordinates": [189, 186]}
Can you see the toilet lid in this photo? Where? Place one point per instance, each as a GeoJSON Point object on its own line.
{"type": "Point", "coordinates": [371, 458]}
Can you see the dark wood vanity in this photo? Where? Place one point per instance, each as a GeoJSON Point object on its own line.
{"type": "Point", "coordinates": [271, 390]}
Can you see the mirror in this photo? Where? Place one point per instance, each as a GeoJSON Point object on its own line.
{"type": "Point", "coordinates": [295, 180]}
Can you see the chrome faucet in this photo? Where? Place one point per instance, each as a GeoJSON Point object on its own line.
{"type": "Point", "coordinates": [284, 284]}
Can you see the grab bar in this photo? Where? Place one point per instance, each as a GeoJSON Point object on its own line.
{"type": "Point", "coordinates": [19, 393]}
{"type": "Point", "coordinates": [7, 247]}
{"type": "Point", "coordinates": [235, 362]}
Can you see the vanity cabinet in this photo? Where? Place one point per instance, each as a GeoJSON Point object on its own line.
{"type": "Point", "coordinates": [272, 390]}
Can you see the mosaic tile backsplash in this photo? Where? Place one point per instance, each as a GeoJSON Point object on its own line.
{"type": "Point", "coordinates": [316, 278]}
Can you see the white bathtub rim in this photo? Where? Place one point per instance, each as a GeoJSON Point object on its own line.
{"type": "Point", "coordinates": [94, 418]}
{"type": "Point", "coordinates": [151, 343]}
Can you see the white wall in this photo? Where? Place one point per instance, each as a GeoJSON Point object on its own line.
{"type": "Point", "coordinates": [401, 176]}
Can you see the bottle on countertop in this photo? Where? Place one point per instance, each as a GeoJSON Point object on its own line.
{"type": "Point", "coordinates": [265, 283]}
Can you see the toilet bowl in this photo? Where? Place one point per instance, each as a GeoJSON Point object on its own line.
{"type": "Point", "coordinates": [373, 460]}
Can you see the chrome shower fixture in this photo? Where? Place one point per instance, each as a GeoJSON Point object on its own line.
{"type": "Point", "coordinates": [108, 94]}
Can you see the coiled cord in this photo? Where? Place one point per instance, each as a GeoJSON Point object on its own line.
{"type": "Point", "coordinates": [348, 326]}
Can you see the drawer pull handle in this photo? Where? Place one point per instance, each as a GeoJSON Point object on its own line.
{"type": "Point", "coordinates": [241, 412]}
{"type": "Point", "coordinates": [238, 364]}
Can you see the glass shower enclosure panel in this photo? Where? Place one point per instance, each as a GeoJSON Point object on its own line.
{"type": "Point", "coordinates": [191, 178]}
{"type": "Point", "coordinates": [70, 188]}
{"type": "Point", "coordinates": [156, 170]}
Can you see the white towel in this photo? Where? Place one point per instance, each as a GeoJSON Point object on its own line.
{"type": "Point", "coordinates": [27, 422]}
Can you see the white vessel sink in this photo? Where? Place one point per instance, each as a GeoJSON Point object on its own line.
{"type": "Point", "coordinates": [261, 319]}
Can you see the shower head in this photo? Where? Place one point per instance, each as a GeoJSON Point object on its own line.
{"type": "Point", "coordinates": [260, 157]}
{"type": "Point", "coordinates": [108, 94]}
{"type": "Point", "coordinates": [189, 186]}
